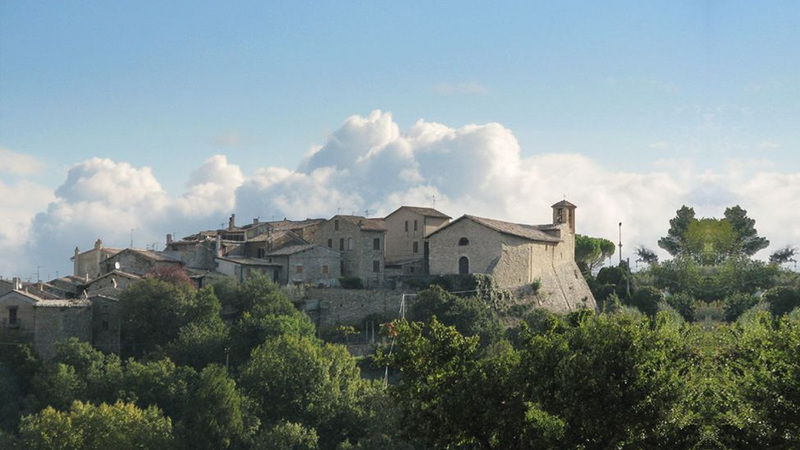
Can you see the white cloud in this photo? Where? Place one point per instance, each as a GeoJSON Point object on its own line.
{"type": "Point", "coordinates": [18, 163]}
{"type": "Point", "coordinates": [370, 164]}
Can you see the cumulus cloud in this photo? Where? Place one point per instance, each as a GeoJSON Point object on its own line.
{"type": "Point", "coordinates": [372, 165]}
{"type": "Point", "coordinates": [369, 164]}
{"type": "Point", "coordinates": [110, 200]}
{"type": "Point", "coordinates": [18, 163]}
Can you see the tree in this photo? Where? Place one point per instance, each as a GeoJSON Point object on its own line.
{"type": "Point", "coordinates": [296, 379]}
{"type": "Point", "coordinates": [737, 303]}
{"type": "Point", "coordinates": [591, 253]}
{"type": "Point", "coordinates": [783, 255]}
{"type": "Point", "coordinates": [782, 300]}
{"type": "Point", "coordinates": [684, 304]}
{"type": "Point", "coordinates": [153, 311]}
{"type": "Point", "coordinates": [646, 299]}
{"type": "Point", "coordinates": [217, 415]}
{"type": "Point", "coordinates": [89, 427]}
{"type": "Point", "coordinates": [646, 256]}
{"type": "Point", "coordinates": [287, 436]}
{"type": "Point", "coordinates": [673, 241]}
{"type": "Point", "coordinates": [744, 227]}
{"type": "Point", "coordinates": [470, 316]}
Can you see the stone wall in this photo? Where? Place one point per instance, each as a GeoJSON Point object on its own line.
{"type": "Point", "coordinates": [105, 324]}
{"type": "Point", "coordinates": [58, 323]}
{"type": "Point", "coordinates": [331, 307]}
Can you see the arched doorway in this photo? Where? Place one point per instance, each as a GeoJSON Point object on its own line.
{"type": "Point", "coordinates": [463, 265]}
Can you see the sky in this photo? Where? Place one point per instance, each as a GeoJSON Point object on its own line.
{"type": "Point", "coordinates": [126, 121]}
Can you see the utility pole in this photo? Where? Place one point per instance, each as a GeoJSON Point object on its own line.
{"type": "Point", "coordinates": [620, 243]}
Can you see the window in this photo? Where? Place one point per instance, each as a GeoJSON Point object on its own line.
{"type": "Point", "coordinates": [262, 252]}
{"type": "Point", "coordinates": [376, 244]}
{"type": "Point", "coordinates": [105, 325]}
{"type": "Point", "coordinates": [416, 247]}
{"type": "Point", "coordinates": [406, 226]}
{"type": "Point", "coordinates": [415, 224]}
{"type": "Point", "coordinates": [376, 266]}
{"type": "Point", "coordinates": [330, 243]}
{"type": "Point", "coordinates": [463, 265]}
{"type": "Point", "coordinates": [336, 225]}
{"type": "Point", "coordinates": [341, 244]}
{"type": "Point", "coordinates": [298, 268]}
{"type": "Point", "coordinates": [12, 316]}
{"type": "Point", "coordinates": [463, 241]}
{"type": "Point", "coordinates": [325, 270]}
{"type": "Point", "coordinates": [349, 243]}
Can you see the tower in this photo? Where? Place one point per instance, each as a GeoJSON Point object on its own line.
{"type": "Point", "coordinates": [564, 212]}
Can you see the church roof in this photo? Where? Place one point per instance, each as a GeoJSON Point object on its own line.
{"type": "Point", "coordinates": [530, 232]}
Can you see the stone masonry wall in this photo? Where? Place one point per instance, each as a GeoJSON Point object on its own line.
{"type": "Point", "coordinates": [331, 307]}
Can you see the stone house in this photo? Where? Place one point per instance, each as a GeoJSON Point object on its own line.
{"type": "Point", "coordinates": [360, 241]}
{"type": "Point", "coordinates": [518, 256]}
{"type": "Point", "coordinates": [106, 326]}
{"type": "Point", "coordinates": [43, 322]}
{"type": "Point", "coordinates": [406, 229]}
{"type": "Point", "coordinates": [138, 262]}
{"type": "Point", "coordinates": [88, 263]}
{"type": "Point", "coordinates": [307, 264]}
{"type": "Point", "coordinates": [241, 268]}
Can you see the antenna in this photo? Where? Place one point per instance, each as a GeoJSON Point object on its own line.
{"type": "Point", "coordinates": [366, 213]}
{"type": "Point", "coordinates": [434, 201]}
{"type": "Point", "coordinates": [131, 237]}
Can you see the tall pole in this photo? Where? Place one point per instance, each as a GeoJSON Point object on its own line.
{"type": "Point", "coordinates": [620, 243]}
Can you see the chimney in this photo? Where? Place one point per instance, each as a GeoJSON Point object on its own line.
{"type": "Point", "coordinates": [98, 244]}
{"type": "Point", "coordinates": [169, 239]}
{"type": "Point", "coordinates": [17, 283]}
{"type": "Point", "coordinates": [232, 221]}
{"type": "Point", "coordinates": [218, 245]}
{"type": "Point", "coordinates": [255, 220]}
{"type": "Point", "coordinates": [77, 251]}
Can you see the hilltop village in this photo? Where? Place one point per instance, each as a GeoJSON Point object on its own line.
{"type": "Point", "coordinates": [339, 270]}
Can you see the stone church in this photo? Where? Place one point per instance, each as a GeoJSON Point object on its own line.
{"type": "Point", "coordinates": [536, 261]}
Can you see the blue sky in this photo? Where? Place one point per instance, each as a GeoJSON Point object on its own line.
{"type": "Point", "coordinates": [705, 88]}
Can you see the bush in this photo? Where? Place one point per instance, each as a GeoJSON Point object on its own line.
{"type": "Point", "coordinates": [782, 300]}
{"type": "Point", "coordinates": [736, 304]}
{"type": "Point", "coordinates": [684, 304]}
{"type": "Point", "coordinates": [647, 299]}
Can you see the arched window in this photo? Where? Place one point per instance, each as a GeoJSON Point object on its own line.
{"type": "Point", "coordinates": [463, 265]}
{"type": "Point", "coordinates": [463, 241]}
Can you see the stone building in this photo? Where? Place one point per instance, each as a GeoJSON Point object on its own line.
{"type": "Point", "coordinates": [138, 262]}
{"type": "Point", "coordinates": [516, 255]}
{"type": "Point", "coordinates": [43, 322]}
{"type": "Point", "coordinates": [241, 268]}
{"type": "Point", "coordinates": [361, 243]}
{"type": "Point", "coordinates": [307, 264]}
{"type": "Point", "coordinates": [88, 263]}
{"type": "Point", "coordinates": [106, 326]}
{"type": "Point", "coordinates": [406, 229]}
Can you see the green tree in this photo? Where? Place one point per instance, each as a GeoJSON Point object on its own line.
{"type": "Point", "coordinates": [469, 315]}
{"type": "Point", "coordinates": [89, 427]}
{"type": "Point", "coordinates": [745, 229]}
{"type": "Point", "coordinates": [217, 415]}
{"type": "Point", "coordinates": [591, 253]}
{"type": "Point", "coordinates": [737, 303]}
{"type": "Point", "coordinates": [153, 311]}
{"type": "Point", "coordinates": [296, 379]}
{"type": "Point", "coordinates": [684, 304]}
{"type": "Point", "coordinates": [673, 242]}
{"type": "Point", "coordinates": [783, 255]}
{"type": "Point", "coordinates": [11, 399]}
{"type": "Point", "coordinates": [646, 256]}
{"type": "Point", "coordinates": [781, 300]}
{"type": "Point", "coordinates": [287, 436]}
